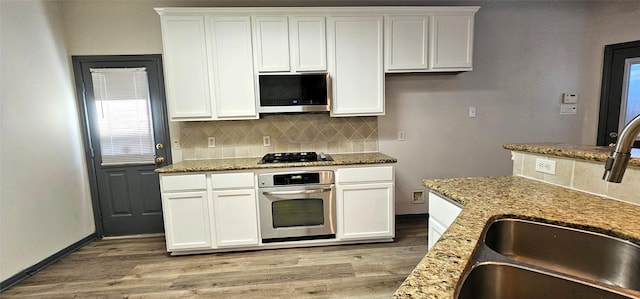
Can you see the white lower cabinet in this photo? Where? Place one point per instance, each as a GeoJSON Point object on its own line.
{"type": "Point", "coordinates": [185, 203]}
{"type": "Point", "coordinates": [365, 203]}
{"type": "Point", "coordinates": [442, 212]}
{"type": "Point", "coordinates": [234, 209]}
{"type": "Point", "coordinates": [187, 220]}
{"type": "Point", "coordinates": [235, 217]}
{"type": "Point", "coordinates": [218, 211]}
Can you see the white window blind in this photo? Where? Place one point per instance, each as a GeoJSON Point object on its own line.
{"type": "Point", "coordinates": [124, 118]}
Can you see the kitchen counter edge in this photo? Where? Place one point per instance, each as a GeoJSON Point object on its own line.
{"type": "Point", "coordinates": [487, 198]}
{"type": "Point", "coordinates": [205, 165]}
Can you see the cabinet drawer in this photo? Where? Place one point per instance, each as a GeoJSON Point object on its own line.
{"type": "Point", "coordinates": [184, 182]}
{"type": "Point", "coordinates": [232, 180]}
{"type": "Point", "coordinates": [442, 210]}
{"type": "Point", "coordinates": [365, 174]}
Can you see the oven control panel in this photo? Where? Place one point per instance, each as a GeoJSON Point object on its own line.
{"type": "Point", "coordinates": [321, 177]}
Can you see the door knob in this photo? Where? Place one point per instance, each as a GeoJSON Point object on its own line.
{"type": "Point", "coordinates": [613, 134]}
{"type": "Point", "coordinates": [159, 160]}
{"type": "Point", "coordinates": [159, 146]}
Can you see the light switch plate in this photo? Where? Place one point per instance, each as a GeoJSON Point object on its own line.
{"type": "Point", "coordinates": [545, 166]}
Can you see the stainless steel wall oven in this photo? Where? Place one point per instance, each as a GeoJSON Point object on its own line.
{"type": "Point", "coordinates": [297, 206]}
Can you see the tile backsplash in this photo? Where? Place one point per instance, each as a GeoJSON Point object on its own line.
{"type": "Point", "coordinates": [580, 175]}
{"type": "Point", "coordinates": [288, 132]}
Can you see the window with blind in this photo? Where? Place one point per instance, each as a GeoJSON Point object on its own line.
{"type": "Point", "coordinates": [123, 115]}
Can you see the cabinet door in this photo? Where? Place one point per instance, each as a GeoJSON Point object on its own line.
{"type": "Point", "coordinates": [235, 217]}
{"type": "Point", "coordinates": [442, 213]}
{"type": "Point", "coordinates": [272, 44]}
{"type": "Point", "coordinates": [186, 67]}
{"type": "Point", "coordinates": [366, 211]}
{"type": "Point", "coordinates": [356, 66]}
{"type": "Point", "coordinates": [407, 43]}
{"type": "Point", "coordinates": [186, 220]}
{"type": "Point", "coordinates": [308, 44]}
{"type": "Point", "coordinates": [232, 65]}
{"type": "Point", "coordinates": [452, 42]}
{"type": "Point", "coordinates": [435, 232]}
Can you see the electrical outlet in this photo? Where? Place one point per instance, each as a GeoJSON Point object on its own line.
{"type": "Point", "coordinates": [175, 144]}
{"type": "Point", "coordinates": [417, 196]}
{"type": "Point", "coordinates": [400, 135]}
{"type": "Point", "coordinates": [211, 141]}
{"type": "Point", "coordinates": [545, 166]}
{"type": "Point", "coordinates": [266, 140]}
{"type": "Point", "coordinates": [472, 112]}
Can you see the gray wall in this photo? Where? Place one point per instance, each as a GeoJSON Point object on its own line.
{"type": "Point", "coordinates": [45, 204]}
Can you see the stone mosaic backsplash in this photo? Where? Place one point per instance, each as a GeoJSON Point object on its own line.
{"type": "Point", "coordinates": [288, 133]}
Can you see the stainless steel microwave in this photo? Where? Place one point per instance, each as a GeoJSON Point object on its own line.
{"type": "Point", "coordinates": [292, 92]}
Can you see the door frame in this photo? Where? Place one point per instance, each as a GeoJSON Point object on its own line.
{"type": "Point", "coordinates": [77, 62]}
{"type": "Point", "coordinates": [607, 76]}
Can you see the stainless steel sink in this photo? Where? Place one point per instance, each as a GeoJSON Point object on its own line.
{"type": "Point", "coordinates": [491, 280]}
{"type": "Point", "coordinates": [518, 258]}
{"type": "Point", "coordinates": [576, 252]}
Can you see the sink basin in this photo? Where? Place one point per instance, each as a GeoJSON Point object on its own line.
{"type": "Point", "coordinates": [495, 280]}
{"type": "Point", "coordinates": [580, 253]}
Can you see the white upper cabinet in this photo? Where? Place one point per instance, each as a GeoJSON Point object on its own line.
{"type": "Point", "coordinates": [208, 65]}
{"type": "Point", "coordinates": [212, 56]}
{"type": "Point", "coordinates": [232, 65]}
{"type": "Point", "coordinates": [407, 43]}
{"type": "Point", "coordinates": [452, 42]}
{"type": "Point", "coordinates": [296, 44]}
{"type": "Point", "coordinates": [429, 39]}
{"type": "Point", "coordinates": [308, 44]}
{"type": "Point", "coordinates": [272, 44]}
{"type": "Point", "coordinates": [356, 65]}
{"type": "Point", "coordinates": [186, 67]}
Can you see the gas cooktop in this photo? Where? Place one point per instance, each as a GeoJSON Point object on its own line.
{"type": "Point", "coordinates": [294, 157]}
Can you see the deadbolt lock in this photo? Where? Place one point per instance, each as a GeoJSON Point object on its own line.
{"type": "Point", "coordinates": [159, 146]}
{"type": "Point", "coordinates": [613, 134]}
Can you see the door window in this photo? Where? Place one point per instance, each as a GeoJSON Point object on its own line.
{"type": "Point", "coordinates": [123, 115]}
{"type": "Point", "coordinates": [630, 106]}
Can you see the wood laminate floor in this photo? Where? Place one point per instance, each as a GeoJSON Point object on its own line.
{"type": "Point", "coordinates": [141, 268]}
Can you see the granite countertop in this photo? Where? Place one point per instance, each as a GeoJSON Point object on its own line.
{"type": "Point", "coordinates": [583, 152]}
{"type": "Point", "coordinates": [438, 273]}
{"type": "Point", "coordinates": [252, 163]}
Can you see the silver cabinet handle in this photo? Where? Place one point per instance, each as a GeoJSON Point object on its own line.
{"type": "Point", "coordinates": [308, 191]}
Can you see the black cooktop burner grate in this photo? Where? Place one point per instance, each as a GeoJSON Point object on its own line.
{"type": "Point", "coordinates": [290, 157]}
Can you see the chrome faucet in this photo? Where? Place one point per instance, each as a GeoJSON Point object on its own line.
{"type": "Point", "coordinates": [617, 162]}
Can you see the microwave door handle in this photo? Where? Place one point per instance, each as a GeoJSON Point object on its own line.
{"type": "Point", "coordinates": [307, 191]}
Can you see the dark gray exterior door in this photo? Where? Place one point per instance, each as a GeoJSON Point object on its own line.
{"type": "Point", "coordinates": [620, 95]}
{"type": "Point", "coordinates": [122, 103]}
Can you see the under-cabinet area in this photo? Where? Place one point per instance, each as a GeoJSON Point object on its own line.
{"type": "Point", "coordinates": [216, 211]}
{"type": "Point", "coordinates": [214, 57]}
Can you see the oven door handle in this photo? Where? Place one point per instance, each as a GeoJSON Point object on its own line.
{"type": "Point", "coordinates": [307, 191]}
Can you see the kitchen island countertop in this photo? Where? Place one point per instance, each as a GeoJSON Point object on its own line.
{"type": "Point", "coordinates": [252, 163]}
{"type": "Point", "coordinates": [485, 198]}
